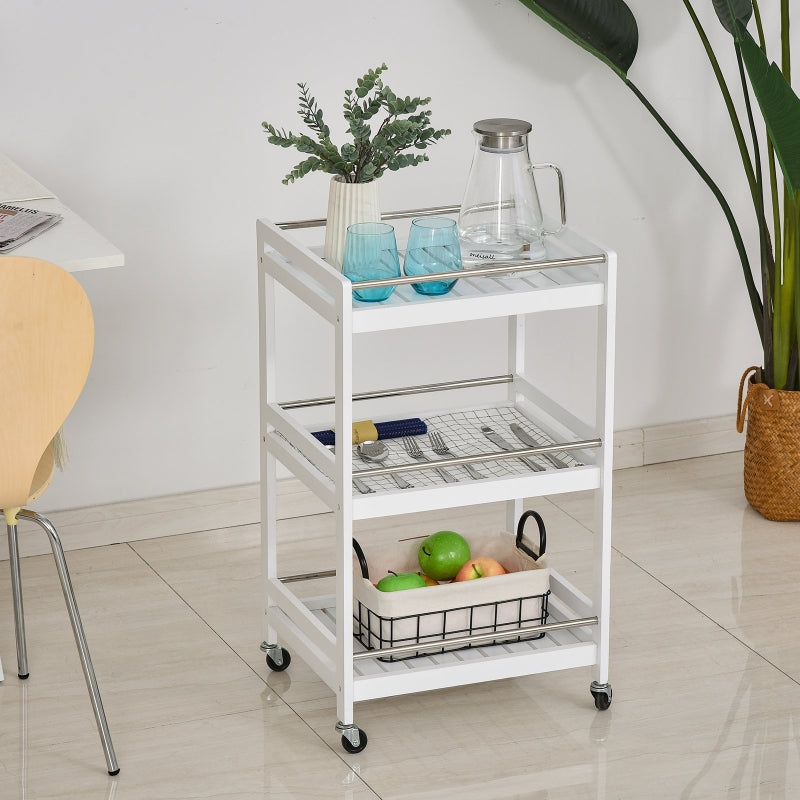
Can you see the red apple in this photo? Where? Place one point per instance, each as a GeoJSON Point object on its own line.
{"type": "Point", "coordinates": [428, 580]}
{"type": "Point", "coordinates": [480, 567]}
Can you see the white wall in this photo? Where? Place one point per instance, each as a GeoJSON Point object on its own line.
{"type": "Point", "coordinates": [145, 117]}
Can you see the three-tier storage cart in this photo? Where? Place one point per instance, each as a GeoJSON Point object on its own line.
{"type": "Point", "coordinates": [570, 454]}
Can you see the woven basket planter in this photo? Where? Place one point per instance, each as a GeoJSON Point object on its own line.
{"type": "Point", "coordinates": [772, 448]}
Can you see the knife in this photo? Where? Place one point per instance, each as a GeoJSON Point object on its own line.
{"type": "Point", "coordinates": [527, 439]}
{"type": "Point", "coordinates": [497, 439]}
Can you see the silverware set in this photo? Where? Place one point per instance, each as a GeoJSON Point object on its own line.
{"type": "Point", "coordinates": [412, 448]}
{"type": "Point", "coordinates": [440, 447]}
{"type": "Point", "coordinates": [377, 452]}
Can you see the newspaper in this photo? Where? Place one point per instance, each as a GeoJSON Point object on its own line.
{"type": "Point", "coordinates": [19, 225]}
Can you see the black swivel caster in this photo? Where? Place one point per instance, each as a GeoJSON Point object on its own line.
{"type": "Point", "coordinates": [280, 662]}
{"type": "Point", "coordinates": [602, 695]}
{"type": "Point", "coordinates": [354, 740]}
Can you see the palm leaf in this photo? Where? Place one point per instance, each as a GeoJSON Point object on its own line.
{"type": "Point", "coordinates": [741, 10]}
{"type": "Point", "coordinates": [779, 105]}
{"type": "Point", "coordinates": [606, 28]}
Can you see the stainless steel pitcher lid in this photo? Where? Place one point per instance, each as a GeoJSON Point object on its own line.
{"type": "Point", "coordinates": [502, 133]}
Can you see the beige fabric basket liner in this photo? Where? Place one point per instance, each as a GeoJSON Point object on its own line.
{"type": "Point", "coordinates": [463, 601]}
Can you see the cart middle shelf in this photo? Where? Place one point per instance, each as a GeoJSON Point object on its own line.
{"type": "Point", "coordinates": [507, 475]}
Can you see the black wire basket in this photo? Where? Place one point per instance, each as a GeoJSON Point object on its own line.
{"type": "Point", "coordinates": [501, 604]}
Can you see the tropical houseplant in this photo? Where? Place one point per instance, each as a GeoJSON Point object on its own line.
{"type": "Point", "coordinates": [608, 30]}
{"type": "Point", "coordinates": [392, 141]}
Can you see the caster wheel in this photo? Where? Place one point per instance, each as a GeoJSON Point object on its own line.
{"type": "Point", "coordinates": [350, 747]}
{"type": "Point", "coordinates": [286, 659]}
{"type": "Point", "coordinates": [602, 698]}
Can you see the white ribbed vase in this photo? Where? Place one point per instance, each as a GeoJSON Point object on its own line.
{"type": "Point", "coordinates": [348, 203]}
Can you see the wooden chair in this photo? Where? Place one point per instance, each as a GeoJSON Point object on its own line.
{"type": "Point", "coordinates": [46, 345]}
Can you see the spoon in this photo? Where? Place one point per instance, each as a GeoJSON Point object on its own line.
{"type": "Point", "coordinates": [357, 482]}
{"type": "Point", "coordinates": [378, 452]}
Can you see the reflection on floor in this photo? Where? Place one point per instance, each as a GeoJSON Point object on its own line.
{"type": "Point", "coordinates": [705, 666]}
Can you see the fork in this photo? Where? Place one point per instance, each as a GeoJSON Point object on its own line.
{"type": "Point", "coordinates": [412, 448]}
{"type": "Point", "coordinates": [440, 447]}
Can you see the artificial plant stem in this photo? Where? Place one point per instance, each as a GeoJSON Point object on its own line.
{"type": "Point", "coordinates": [783, 299]}
{"type": "Point", "coordinates": [786, 289]}
{"type": "Point", "coordinates": [791, 207]}
{"type": "Point", "coordinates": [795, 217]}
{"type": "Point", "coordinates": [776, 209]}
{"type": "Point", "coordinates": [759, 25]}
{"type": "Point", "coordinates": [784, 320]}
{"type": "Point", "coordinates": [765, 245]}
{"type": "Point", "coordinates": [776, 265]}
{"type": "Point", "coordinates": [792, 222]}
{"type": "Point", "coordinates": [752, 170]}
{"type": "Point", "coordinates": [757, 189]}
{"type": "Point", "coordinates": [726, 95]}
{"type": "Point", "coordinates": [786, 61]}
{"type": "Point", "coordinates": [755, 300]}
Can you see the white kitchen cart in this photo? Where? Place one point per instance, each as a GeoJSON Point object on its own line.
{"type": "Point", "coordinates": [576, 274]}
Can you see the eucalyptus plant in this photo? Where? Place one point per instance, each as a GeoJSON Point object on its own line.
{"type": "Point", "coordinates": [608, 30]}
{"type": "Point", "coordinates": [405, 126]}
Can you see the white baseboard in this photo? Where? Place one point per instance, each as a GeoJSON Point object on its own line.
{"type": "Point", "coordinates": [703, 437]}
{"type": "Point", "coordinates": [239, 505]}
{"type": "Point", "coordinates": [155, 517]}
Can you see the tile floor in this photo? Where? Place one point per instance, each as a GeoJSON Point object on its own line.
{"type": "Point", "coordinates": [705, 669]}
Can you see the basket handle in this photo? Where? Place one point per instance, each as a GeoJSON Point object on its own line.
{"type": "Point", "coordinates": [741, 410]}
{"type": "Point", "coordinates": [361, 559]}
{"type": "Point", "coordinates": [542, 535]}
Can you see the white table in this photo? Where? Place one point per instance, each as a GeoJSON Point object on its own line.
{"type": "Point", "coordinates": [73, 244]}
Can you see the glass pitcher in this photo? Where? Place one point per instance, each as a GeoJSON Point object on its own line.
{"type": "Point", "coordinates": [501, 217]}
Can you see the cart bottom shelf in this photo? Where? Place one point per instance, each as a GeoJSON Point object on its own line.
{"type": "Point", "coordinates": [560, 649]}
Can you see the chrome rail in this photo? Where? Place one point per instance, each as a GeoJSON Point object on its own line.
{"type": "Point", "coordinates": [557, 447]}
{"type": "Point", "coordinates": [492, 380]}
{"type": "Point", "coordinates": [498, 268]}
{"type": "Point", "coordinates": [476, 638]}
{"type": "Point", "coordinates": [408, 214]}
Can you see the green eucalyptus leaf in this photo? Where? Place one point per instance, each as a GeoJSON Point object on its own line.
{"type": "Point", "coordinates": [606, 28]}
{"type": "Point", "coordinates": [302, 169]}
{"type": "Point", "coordinates": [741, 11]}
{"type": "Point", "coordinates": [364, 158]}
{"type": "Point", "coordinates": [779, 105]}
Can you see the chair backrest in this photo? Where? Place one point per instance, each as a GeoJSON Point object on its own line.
{"type": "Point", "coordinates": [46, 345]}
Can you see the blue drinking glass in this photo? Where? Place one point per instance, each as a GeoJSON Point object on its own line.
{"type": "Point", "coordinates": [433, 246]}
{"type": "Point", "coordinates": [370, 252]}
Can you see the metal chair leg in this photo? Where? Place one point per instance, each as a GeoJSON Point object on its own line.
{"type": "Point", "coordinates": [80, 636]}
{"type": "Point", "coordinates": [16, 590]}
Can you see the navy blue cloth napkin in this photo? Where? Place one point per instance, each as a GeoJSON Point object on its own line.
{"type": "Point", "coordinates": [386, 430]}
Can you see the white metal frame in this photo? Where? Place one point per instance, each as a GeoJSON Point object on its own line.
{"type": "Point", "coordinates": [313, 629]}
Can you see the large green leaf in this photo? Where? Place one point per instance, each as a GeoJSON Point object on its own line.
{"type": "Point", "coordinates": [606, 28]}
{"type": "Point", "coordinates": [779, 105]}
{"type": "Point", "coordinates": [741, 10]}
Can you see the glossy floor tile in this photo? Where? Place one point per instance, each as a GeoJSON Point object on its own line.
{"type": "Point", "coordinates": [705, 667]}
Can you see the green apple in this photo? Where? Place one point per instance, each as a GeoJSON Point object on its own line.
{"type": "Point", "coordinates": [443, 554]}
{"type": "Point", "coordinates": [397, 581]}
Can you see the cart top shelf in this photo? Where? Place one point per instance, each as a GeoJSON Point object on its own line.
{"type": "Point", "coordinates": [572, 275]}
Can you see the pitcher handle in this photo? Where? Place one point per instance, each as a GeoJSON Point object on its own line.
{"type": "Point", "coordinates": [562, 201]}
